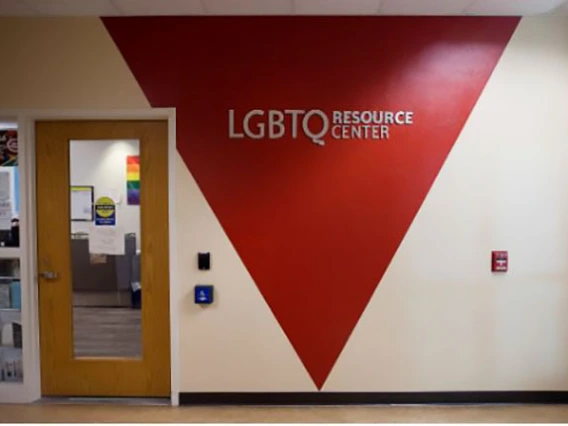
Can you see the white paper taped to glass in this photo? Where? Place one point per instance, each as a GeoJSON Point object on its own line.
{"type": "Point", "coordinates": [106, 240]}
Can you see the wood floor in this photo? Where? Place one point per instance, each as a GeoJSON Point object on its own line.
{"type": "Point", "coordinates": [66, 413]}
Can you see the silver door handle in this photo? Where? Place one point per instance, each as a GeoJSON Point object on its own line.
{"type": "Point", "coordinates": [49, 275]}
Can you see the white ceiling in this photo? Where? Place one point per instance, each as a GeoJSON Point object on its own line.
{"type": "Point", "coordinates": [280, 7]}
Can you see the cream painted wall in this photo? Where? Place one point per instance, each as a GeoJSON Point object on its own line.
{"type": "Point", "coordinates": [235, 344]}
{"type": "Point", "coordinates": [63, 63]}
{"type": "Point", "coordinates": [440, 320]}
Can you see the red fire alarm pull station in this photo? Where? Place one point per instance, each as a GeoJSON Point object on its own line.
{"type": "Point", "coordinates": [499, 261]}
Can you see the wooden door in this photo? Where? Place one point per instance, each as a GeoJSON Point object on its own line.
{"type": "Point", "coordinates": [64, 371]}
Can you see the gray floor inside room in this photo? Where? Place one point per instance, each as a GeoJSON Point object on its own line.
{"type": "Point", "coordinates": [107, 331]}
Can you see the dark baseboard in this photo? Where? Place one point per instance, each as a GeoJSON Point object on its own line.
{"type": "Point", "coordinates": [372, 398]}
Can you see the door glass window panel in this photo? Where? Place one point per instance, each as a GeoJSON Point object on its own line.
{"type": "Point", "coordinates": [105, 248]}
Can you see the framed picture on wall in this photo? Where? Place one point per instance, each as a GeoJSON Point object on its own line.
{"type": "Point", "coordinates": [82, 200]}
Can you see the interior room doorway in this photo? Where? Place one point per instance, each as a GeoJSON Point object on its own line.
{"type": "Point", "coordinates": [102, 258]}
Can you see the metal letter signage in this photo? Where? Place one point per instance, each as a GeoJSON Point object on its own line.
{"type": "Point", "coordinates": [316, 125]}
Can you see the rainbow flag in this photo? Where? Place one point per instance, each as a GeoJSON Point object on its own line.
{"type": "Point", "coordinates": [133, 180]}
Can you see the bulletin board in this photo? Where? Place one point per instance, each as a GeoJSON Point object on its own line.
{"type": "Point", "coordinates": [82, 199]}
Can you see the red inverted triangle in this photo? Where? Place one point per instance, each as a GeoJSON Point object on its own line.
{"type": "Point", "coordinates": [315, 226]}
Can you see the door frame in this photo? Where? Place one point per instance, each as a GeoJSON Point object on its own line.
{"type": "Point", "coordinates": [30, 390]}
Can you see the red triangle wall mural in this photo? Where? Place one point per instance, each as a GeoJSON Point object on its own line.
{"type": "Point", "coordinates": [316, 226]}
